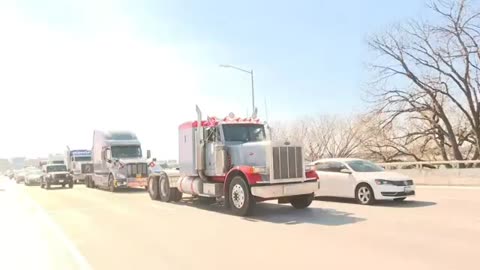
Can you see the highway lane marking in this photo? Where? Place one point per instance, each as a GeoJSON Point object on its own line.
{"type": "Point", "coordinates": [58, 232]}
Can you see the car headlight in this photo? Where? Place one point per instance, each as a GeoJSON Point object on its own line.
{"type": "Point", "coordinates": [383, 182]}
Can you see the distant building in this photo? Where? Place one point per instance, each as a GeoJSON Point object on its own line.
{"type": "Point", "coordinates": [4, 164]}
{"type": "Point", "coordinates": [17, 163]}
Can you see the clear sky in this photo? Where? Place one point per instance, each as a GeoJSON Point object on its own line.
{"type": "Point", "coordinates": [68, 67]}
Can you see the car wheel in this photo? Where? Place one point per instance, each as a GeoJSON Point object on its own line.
{"type": "Point", "coordinates": [400, 199]}
{"type": "Point", "coordinates": [241, 201]}
{"type": "Point", "coordinates": [302, 201]}
{"type": "Point", "coordinates": [364, 194]}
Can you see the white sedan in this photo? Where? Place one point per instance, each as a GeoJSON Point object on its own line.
{"type": "Point", "coordinates": [362, 180]}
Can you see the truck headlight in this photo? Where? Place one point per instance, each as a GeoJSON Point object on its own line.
{"type": "Point", "coordinates": [259, 170]}
{"type": "Point", "coordinates": [383, 182]}
{"type": "Point", "coordinates": [120, 176]}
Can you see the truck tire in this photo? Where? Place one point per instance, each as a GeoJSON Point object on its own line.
{"type": "Point", "coordinates": [302, 201]}
{"type": "Point", "coordinates": [164, 188]}
{"type": "Point", "coordinates": [70, 185]}
{"type": "Point", "coordinates": [47, 185]}
{"type": "Point", "coordinates": [241, 200]}
{"type": "Point", "coordinates": [111, 184]}
{"type": "Point", "coordinates": [152, 188]}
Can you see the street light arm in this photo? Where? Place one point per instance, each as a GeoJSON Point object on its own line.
{"type": "Point", "coordinates": [237, 68]}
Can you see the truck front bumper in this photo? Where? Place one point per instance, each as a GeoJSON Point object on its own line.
{"type": "Point", "coordinates": [131, 183]}
{"type": "Point", "coordinates": [285, 190]}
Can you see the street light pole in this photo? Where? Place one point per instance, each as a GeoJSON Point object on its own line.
{"type": "Point", "coordinates": [251, 77]}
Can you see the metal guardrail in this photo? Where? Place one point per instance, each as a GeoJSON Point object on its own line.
{"type": "Point", "coordinates": [452, 164]}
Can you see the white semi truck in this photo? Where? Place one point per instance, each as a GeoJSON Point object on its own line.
{"type": "Point", "coordinates": [79, 163]}
{"type": "Point", "coordinates": [232, 159]}
{"type": "Point", "coordinates": [117, 161]}
{"type": "Point", "coordinates": [56, 159]}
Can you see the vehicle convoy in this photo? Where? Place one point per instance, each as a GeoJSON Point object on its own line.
{"type": "Point", "coordinates": [231, 159]}
{"type": "Point", "coordinates": [362, 180]}
{"type": "Point", "coordinates": [117, 161]}
{"type": "Point", "coordinates": [79, 163]}
{"type": "Point", "coordinates": [55, 174]}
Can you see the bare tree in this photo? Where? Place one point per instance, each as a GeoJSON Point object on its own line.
{"type": "Point", "coordinates": [425, 70]}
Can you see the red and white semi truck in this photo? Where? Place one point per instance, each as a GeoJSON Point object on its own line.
{"type": "Point", "coordinates": [231, 158]}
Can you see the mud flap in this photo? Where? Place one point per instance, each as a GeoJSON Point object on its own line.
{"type": "Point", "coordinates": [283, 200]}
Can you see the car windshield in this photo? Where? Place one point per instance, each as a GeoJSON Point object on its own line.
{"type": "Point", "coordinates": [57, 168]}
{"type": "Point", "coordinates": [86, 158]}
{"type": "Point", "coordinates": [243, 132]}
{"type": "Point", "coordinates": [364, 166]}
{"type": "Point", "coordinates": [35, 171]}
{"type": "Point", "coordinates": [126, 151]}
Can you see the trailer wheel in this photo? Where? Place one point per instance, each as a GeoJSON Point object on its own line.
{"type": "Point", "coordinates": [152, 188]}
{"type": "Point", "coordinates": [164, 188]}
{"type": "Point", "coordinates": [241, 200]}
{"type": "Point", "coordinates": [302, 201]}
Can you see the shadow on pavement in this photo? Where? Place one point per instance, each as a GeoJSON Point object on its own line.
{"type": "Point", "coordinates": [405, 204]}
{"type": "Point", "coordinates": [130, 190]}
{"type": "Point", "coordinates": [283, 214]}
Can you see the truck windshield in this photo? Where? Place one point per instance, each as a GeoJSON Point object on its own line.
{"type": "Point", "coordinates": [126, 151]}
{"type": "Point", "coordinates": [83, 158]}
{"type": "Point", "coordinates": [243, 132]}
{"type": "Point", "coordinates": [57, 168]}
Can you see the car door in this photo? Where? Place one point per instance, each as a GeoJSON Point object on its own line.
{"type": "Point", "coordinates": [339, 184]}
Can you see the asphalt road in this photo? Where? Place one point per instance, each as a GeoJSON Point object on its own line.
{"type": "Point", "coordinates": [84, 228]}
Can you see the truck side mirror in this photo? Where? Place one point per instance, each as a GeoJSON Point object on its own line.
{"type": "Point", "coordinates": [109, 160]}
{"type": "Point", "coordinates": [149, 154]}
{"type": "Point", "coordinates": [154, 159]}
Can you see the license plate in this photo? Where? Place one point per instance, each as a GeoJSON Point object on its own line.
{"type": "Point", "coordinates": [408, 189]}
{"type": "Point", "coordinates": [61, 181]}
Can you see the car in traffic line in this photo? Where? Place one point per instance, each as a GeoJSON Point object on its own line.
{"type": "Point", "coordinates": [56, 174]}
{"type": "Point", "coordinates": [33, 177]}
{"type": "Point", "coordinates": [362, 180]}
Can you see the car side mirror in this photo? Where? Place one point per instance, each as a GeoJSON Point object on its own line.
{"type": "Point", "coordinates": [149, 154]}
{"type": "Point", "coordinates": [346, 171]}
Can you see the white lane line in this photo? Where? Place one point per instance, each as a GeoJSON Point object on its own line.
{"type": "Point", "coordinates": [58, 232]}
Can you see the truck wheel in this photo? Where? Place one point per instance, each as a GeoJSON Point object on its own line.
{"type": "Point", "coordinates": [241, 200]}
{"type": "Point", "coordinates": [152, 188]}
{"type": "Point", "coordinates": [164, 188]}
{"type": "Point", "coordinates": [70, 185]}
{"type": "Point", "coordinates": [63, 185]}
{"type": "Point", "coordinates": [111, 184]}
{"type": "Point", "coordinates": [47, 185]}
{"type": "Point", "coordinates": [302, 201]}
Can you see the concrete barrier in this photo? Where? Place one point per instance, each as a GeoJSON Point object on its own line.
{"type": "Point", "coordinates": [445, 177]}
{"type": "Point", "coordinates": [438, 173]}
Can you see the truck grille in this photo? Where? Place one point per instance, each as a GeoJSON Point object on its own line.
{"type": "Point", "coordinates": [87, 168]}
{"type": "Point", "coordinates": [137, 169]}
{"type": "Point", "coordinates": [287, 162]}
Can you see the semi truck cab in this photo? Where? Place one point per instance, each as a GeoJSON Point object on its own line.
{"type": "Point", "coordinates": [117, 161]}
{"type": "Point", "coordinates": [232, 158]}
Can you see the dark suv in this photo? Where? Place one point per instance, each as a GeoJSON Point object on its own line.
{"type": "Point", "coordinates": [56, 174]}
